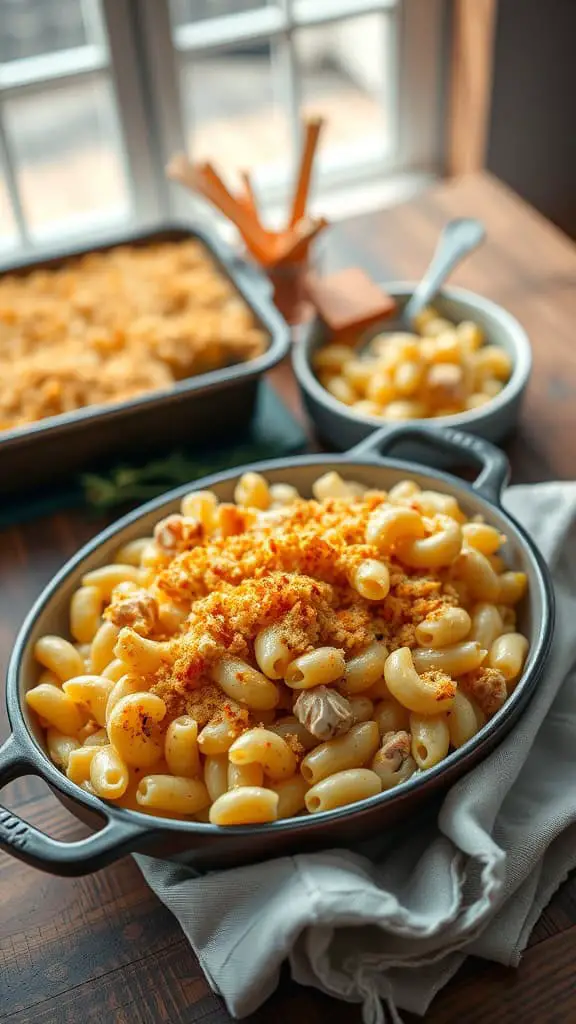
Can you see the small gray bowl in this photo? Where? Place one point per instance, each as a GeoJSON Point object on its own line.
{"type": "Point", "coordinates": [344, 428]}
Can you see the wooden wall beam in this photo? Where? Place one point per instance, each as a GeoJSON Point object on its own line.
{"type": "Point", "coordinates": [470, 86]}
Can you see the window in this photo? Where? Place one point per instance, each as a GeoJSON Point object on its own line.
{"type": "Point", "coordinates": [73, 152]}
{"type": "Point", "coordinates": [95, 95]}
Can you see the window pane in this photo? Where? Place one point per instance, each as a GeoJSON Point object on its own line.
{"type": "Point", "coordinates": [186, 12]}
{"type": "Point", "coordinates": [234, 114]}
{"type": "Point", "coordinates": [8, 230]}
{"type": "Point", "coordinates": [30, 28]}
{"type": "Point", "coordinates": [343, 72]}
{"type": "Point", "coordinates": [65, 148]}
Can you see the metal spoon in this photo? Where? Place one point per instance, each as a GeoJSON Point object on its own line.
{"type": "Point", "coordinates": [458, 238]}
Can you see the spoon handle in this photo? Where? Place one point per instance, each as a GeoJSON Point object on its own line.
{"type": "Point", "coordinates": [458, 238]}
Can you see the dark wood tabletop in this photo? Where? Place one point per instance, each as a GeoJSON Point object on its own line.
{"type": "Point", "coordinates": [102, 948]}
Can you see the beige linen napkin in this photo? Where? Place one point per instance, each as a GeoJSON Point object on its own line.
{"type": "Point", "coordinates": [389, 923]}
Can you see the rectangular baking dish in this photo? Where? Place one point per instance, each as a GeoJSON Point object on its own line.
{"type": "Point", "coordinates": [192, 412]}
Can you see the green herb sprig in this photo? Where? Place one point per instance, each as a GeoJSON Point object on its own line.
{"type": "Point", "coordinates": [129, 484]}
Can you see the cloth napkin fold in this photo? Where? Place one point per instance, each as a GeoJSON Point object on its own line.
{"type": "Point", "coordinates": [388, 923]}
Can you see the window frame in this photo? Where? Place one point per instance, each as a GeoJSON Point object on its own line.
{"type": "Point", "coordinates": [114, 59]}
{"type": "Point", "coordinates": [416, 93]}
{"type": "Point", "coordinates": [134, 47]}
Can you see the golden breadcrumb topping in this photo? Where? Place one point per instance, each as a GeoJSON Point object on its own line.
{"type": "Point", "coordinates": [110, 326]}
{"type": "Point", "coordinates": [290, 567]}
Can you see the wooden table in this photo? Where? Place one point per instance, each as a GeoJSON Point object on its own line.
{"type": "Point", "coordinates": [102, 948]}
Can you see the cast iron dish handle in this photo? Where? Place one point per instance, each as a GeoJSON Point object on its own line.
{"type": "Point", "coordinates": [495, 468]}
{"type": "Point", "coordinates": [41, 851]}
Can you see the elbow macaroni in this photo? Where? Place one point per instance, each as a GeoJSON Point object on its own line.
{"type": "Point", "coordinates": [134, 730]}
{"type": "Point", "coordinates": [92, 691]}
{"type": "Point", "coordinates": [418, 693]}
{"type": "Point", "coordinates": [139, 654]}
{"type": "Point", "coordinates": [486, 624]}
{"type": "Point", "coordinates": [391, 716]}
{"type": "Point", "coordinates": [132, 552]}
{"type": "Point", "coordinates": [102, 648]}
{"type": "Point", "coordinates": [59, 656]}
{"type": "Point", "coordinates": [444, 369]}
{"type": "Point", "coordinates": [365, 669]}
{"type": "Point", "coordinates": [430, 739]}
{"type": "Point", "coordinates": [114, 670]}
{"type": "Point", "coordinates": [508, 654]}
{"type": "Point", "coordinates": [272, 652]}
{"type": "Point", "coordinates": [362, 708]}
{"type": "Point", "coordinates": [291, 796]}
{"type": "Point", "coordinates": [341, 788]}
{"type": "Point", "coordinates": [267, 749]}
{"type": "Point", "coordinates": [512, 587]}
{"type": "Point", "coordinates": [451, 625]}
{"type": "Point", "coordinates": [375, 604]}
{"type": "Point", "coordinates": [434, 551]}
{"type": "Point", "coordinates": [244, 684]}
{"type": "Point", "coordinates": [475, 570]}
{"type": "Point", "coordinates": [60, 747]}
{"type": "Point", "coordinates": [217, 737]}
{"type": "Point", "coordinates": [251, 774]}
{"type": "Point", "coordinates": [371, 579]}
{"type": "Point", "coordinates": [109, 576]}
{"type": "Point", "coordinates": [462, 720]}
{"type": "Point", "coordinates": [390, 523]}
{"type": "Point", "coordinates": [248, 805]}
{"type": "Point", "coordinates": [126, 685]}
{"type": "Point", "coordinates": [322, 666]}
{"type": "Point", "coordinates": [85, 609]}
{"type": "Point", "coordinates": [181, 747]}
{"type": "Point", "coordinates": [350, 751]}
{"type": "Point", "coordinates": [79, 763]}
{"type": "Point", "coordinates": [216, 775]}
{"type": "Point", "coordinates": [169, 793]}
{"type": "Point", "coordinates": [109, 775]}
{"type": "Point", "coordinates": [454, 660]}
{"type": "Point", "coordinates": [56, 708]}
{"type": "Point", "coordinates": [252, 491]}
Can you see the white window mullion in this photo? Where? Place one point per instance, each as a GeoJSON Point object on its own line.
{"type": "Point", "coordinates": [325, 12]}
{"type": "Point", "coordinates": [286, 61]}
{"type": "Point", "coordinates": [137, 139]}
{"type": "Point", "coordinates": [419, 53]}
{"type": "Point", "coordinates": [8, 170]}
{"type": "Point", "coordinates": [162, 71]}
{"type": "Point", "coordinates": [391, 98]}
{"type": "Point", "coordinates": [92, 18]}
{"type": "Point", "coordinates": [216, 34]}
{"type": "Point", "coordinates": [211, 35]}
{"type": "Point", "coordinates": [51, 70]}
{"type": "Point", "coordinates": [286, 67]}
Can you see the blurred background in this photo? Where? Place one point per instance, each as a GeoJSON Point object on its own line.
{"type": "Point", "coordinates": [95, 95]}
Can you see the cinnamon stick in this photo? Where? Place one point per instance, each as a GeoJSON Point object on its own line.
{"type": "Point", "coordinates": [312, 132]}
{"type": "Point", "coordinates": [248, 197]}
{"type": "Point", "coordinates": [203, 179]}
